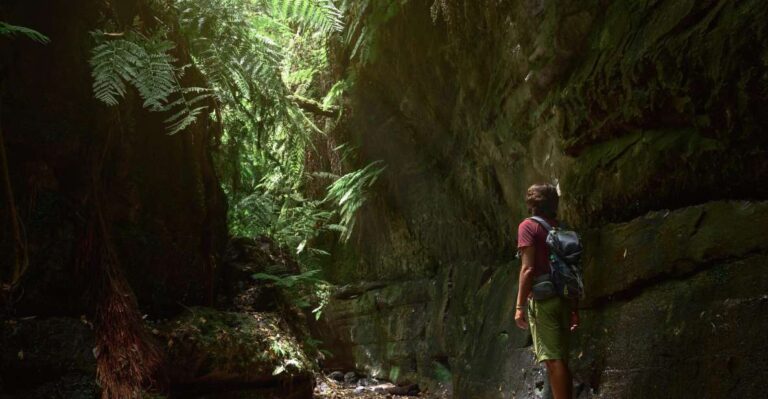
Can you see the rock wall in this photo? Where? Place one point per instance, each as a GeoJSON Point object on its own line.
{"type": "Point", "coordinates": [649, 117]}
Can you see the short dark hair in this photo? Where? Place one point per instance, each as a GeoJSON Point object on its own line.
{"type": "Point", "coordinates": [542, 200]}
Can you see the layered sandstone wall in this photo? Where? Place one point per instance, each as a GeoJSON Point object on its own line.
{"type": "Point", "coordinates": [648, 115]}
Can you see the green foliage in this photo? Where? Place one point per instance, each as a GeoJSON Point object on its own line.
{"type": "Point", "coordinates": [257, 57]}
{"type": "Point", "coordinates": [319, 15]}
{"type": "Point", "coordinates": [349, 194]}
{"type": "Point", "coordinates": [336, 91]}
{"type": "Point", "coordinates": [290, 281]}
{"type": "Point", "coordinates": [250, 343]}
{"type": "Point", "coordinates": [7, 29]}
{"type": "Point", "coordinates": [287, 217]}
{"type": "Point", "coordinates": [304, 288]}
{"type": "Point", "coordinates": [146, 64]}
{"type": "Point", "coordinates": [295, 222]}
{"type": "Point", "coordinates": [140, 61]}
{"type": "Point", "coordinates": [366, 19]}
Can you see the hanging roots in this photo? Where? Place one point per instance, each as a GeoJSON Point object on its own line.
{"type": "Point", "coordinates": [127, 357]}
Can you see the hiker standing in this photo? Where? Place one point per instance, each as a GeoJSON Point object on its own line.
{"type": "Point", "coordinates": [540, 303]}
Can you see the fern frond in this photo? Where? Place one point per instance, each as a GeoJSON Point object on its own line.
{"type": "Point", "coordinates": [155, 78]}
{"type": "Point", "coordinates": [349, 193]}
{"type": "Point", "coordinates": [143, 63]}
{"type": "Point", "coordinates": [113, 63]}
{"type": "Point", "coordinates": [146, 64]}
{"type": "Point", "coordinates": [201, 94]}
{"type": "Point", "coordinates": [318, 15]}
{"type": "Point", "coordinates": [7, 29]}
{"type": "Point", "coordinates": [183, 119]}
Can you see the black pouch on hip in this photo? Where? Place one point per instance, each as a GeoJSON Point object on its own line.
{"type": "Point", "coordinates": [543, 289]}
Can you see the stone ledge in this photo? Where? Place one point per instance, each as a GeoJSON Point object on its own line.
{"type": "Point", "coordinates": [621, 258]}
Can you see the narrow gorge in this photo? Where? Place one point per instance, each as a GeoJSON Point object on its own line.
{"type": "Point", "coordinates": [649, 116]}
{"type": "Point", "coordinates": [142, 262]}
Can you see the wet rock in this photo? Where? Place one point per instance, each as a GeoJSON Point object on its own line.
{"type": "Point", "coordinates": [367, 381]}
{"type": "Point", "coordinates": [337, 376]}
{"type": "Point", "coordinates": [406, 390]}
{"type": "Point", "coordinates": [350, 377]}
{"type": "Point", "coordinates": [667, 330]}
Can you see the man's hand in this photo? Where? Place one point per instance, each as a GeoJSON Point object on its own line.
{"type": "Point", "coordinates": [574, 319]}
{"type": "Point", "coordinates": [520, 319]}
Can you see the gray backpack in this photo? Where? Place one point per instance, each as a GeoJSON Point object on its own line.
{"type": "Point", "coordinates": [564, 260]}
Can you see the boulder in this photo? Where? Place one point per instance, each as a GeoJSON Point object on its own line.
{"type": "Point", "coordinates": [219, 354]}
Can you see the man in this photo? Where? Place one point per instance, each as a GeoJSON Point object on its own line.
{"type": "Point", "coordinates": [549, 319]}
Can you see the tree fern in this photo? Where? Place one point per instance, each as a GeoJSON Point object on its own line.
{"type": "Point", "coordinates": [144, 63]}
{"type": "Point", "coordinates": [187, 108]}
{"type": "Point", "coordinates": [155, 79]}
{"type": "Point", "coordinates": [113, 63]}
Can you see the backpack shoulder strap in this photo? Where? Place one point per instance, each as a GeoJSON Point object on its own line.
{"type": "Point", "coordinates": [542, 222]}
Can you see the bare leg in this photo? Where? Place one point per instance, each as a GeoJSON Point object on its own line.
{"type": "Point", "coordinates": [559, 379]}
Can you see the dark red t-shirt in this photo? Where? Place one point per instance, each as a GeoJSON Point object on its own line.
{"type": "Point", "coordinates": [531, 234]}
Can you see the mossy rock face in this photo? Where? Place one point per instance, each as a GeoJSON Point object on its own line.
{"type": "Point", "coordinates": [633, 107]}
{"type": "Point", "coordinates": [47, 358]}
{"type": "Point", "coordinates": [622, 257]}
{"type": "Point", "coordinates": [610, 180]}
{"type": "Point", "coordinates": [225, 351]}
{"type": "Point", "coordinates": [689, 338]}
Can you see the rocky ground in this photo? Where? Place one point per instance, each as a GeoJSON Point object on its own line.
{"type": "Point", "coordinates": [338, 385]}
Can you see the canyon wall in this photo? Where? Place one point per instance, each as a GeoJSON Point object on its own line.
{"type": "Point", "coordinates": [648, 115]}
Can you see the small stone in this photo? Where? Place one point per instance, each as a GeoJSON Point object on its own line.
{"type": "Point", "coordinates": [336, 376]}
{"type": "Point", "coordinates": [350, 377]}
{"type": "Point", "coordinates": [322, 388]}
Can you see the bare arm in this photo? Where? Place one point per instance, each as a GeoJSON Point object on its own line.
{"type": "Point", "coordinates": [525, 284]}
{"type": "Point", "coordinates": [574, 315]}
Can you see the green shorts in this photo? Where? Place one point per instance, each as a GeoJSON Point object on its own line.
{"type": "Point", "coordinates": [549, 320]}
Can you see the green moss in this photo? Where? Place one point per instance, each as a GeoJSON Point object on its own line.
{"type": "Point", "coordinates": [441, 372]}
{"type": "Point", "coordinates": [643, 57]}
{"type": "Point", "coordinates": [366, 23]}
{"type": "Point", "coordinates": [394, 373]}
{"type": "Point", "coordinates": [608, 176]}
{"type": "Point", "coordinates": [236, 343]}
